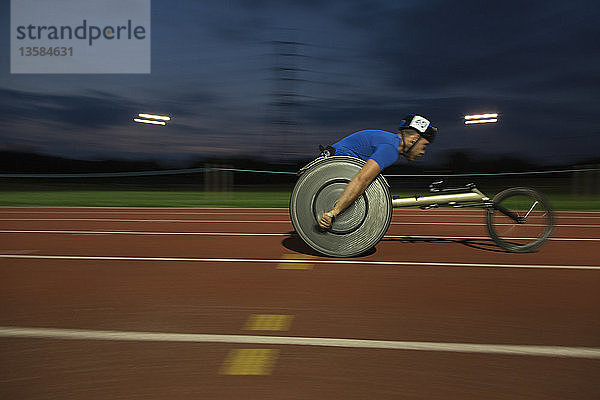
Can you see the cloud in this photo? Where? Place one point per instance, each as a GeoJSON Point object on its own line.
{"type": "Point", "coordinates": [462, 45]}
{"type": "Point", "coordinates": [97, 111]}
{"type": "Point", "coordinates": [97, 108]}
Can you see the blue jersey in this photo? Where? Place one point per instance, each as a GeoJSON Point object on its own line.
{"type": "Point", "coordinates": [379, 146]}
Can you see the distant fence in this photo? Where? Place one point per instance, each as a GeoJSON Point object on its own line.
{"type": "Point", "coordinates": [581, 180]}
{"type": "Point", "coordinates": [218, 178]}
{"type": "Point", "coordinates": [586, 180]}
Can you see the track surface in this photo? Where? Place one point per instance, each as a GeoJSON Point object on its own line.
{"type": "Point", "coordinates": [106, 279]}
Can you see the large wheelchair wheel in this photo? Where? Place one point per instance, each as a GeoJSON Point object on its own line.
{"type": "Point", "coordinates": [355, 231]}
{"type": "Point", "coordinates": [520, 220]}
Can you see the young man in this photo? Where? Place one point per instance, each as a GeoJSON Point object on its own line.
{"type": "Point", "coordinates": [379, 149]}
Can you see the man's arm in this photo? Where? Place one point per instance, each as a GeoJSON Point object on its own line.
{"type": "Point", "coordinates": [353, 189]}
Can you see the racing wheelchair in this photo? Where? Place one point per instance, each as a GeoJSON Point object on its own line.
{"type": "Point", "coordinates": [518, 219]}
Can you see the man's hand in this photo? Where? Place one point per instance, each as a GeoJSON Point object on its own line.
{"type": "Point", "coordinates": [326, 220]}
{"type": "Point", "coordinates": [355, 188]}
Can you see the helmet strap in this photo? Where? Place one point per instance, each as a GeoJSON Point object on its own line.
{"type": "Point", "coordinates": [405, 153]}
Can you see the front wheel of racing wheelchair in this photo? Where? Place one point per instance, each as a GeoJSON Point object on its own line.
{"type": "Point", "coordinates": [356, 230]}
{"type": "Point", "coordinates": [520, 219]}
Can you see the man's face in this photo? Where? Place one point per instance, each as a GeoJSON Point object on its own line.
{"type": "Point", "coordinates": [419, 148]}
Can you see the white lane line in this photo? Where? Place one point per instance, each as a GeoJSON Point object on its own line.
{"type": "Point", "coordinates": [144, 220]}
{"type": "Point", "coordinates": [4, 208]}
{"type": "Point", "coordinates": [229, 209]}
{"type": "Point", "coordinates": [482, 224]}
{"type": "Point", "coordinates": [510, 349]}
{"type": "Point", "coordinates": [418, 215]}
{"type": "Point", "coordinates": [312, 261]}
{"type": "Point", "coordinates": [145, 212]}
{"type": "Point", "coordinates": [198, 221]}
{"type": "Point", "coordinates": [148, 233]}
{"type": "Point", "coordinates": [484, 237]}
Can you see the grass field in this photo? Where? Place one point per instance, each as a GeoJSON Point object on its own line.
{"type": "Point", "coordinates": [251, 199]}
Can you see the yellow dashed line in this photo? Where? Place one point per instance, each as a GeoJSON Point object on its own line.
{"type": "Point", "coordinates": [295, 265]}
{"type": "Point", "coordinates": [249, 362]}
{"type": "Point", "coordinates": [268, 322]}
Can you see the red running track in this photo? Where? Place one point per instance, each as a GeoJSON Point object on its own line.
{"type": "Point", "coordinates": [436, 312]}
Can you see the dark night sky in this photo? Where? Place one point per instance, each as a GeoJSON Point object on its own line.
{"type": "Point", "coordinates": [362, 64]}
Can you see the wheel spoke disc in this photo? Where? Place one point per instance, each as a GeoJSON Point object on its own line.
{"type": "Point", "coordinates": [359, 227]}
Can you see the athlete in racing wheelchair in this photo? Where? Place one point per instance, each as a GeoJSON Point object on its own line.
{"type": "Point", "coordinates": [379, 149]}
